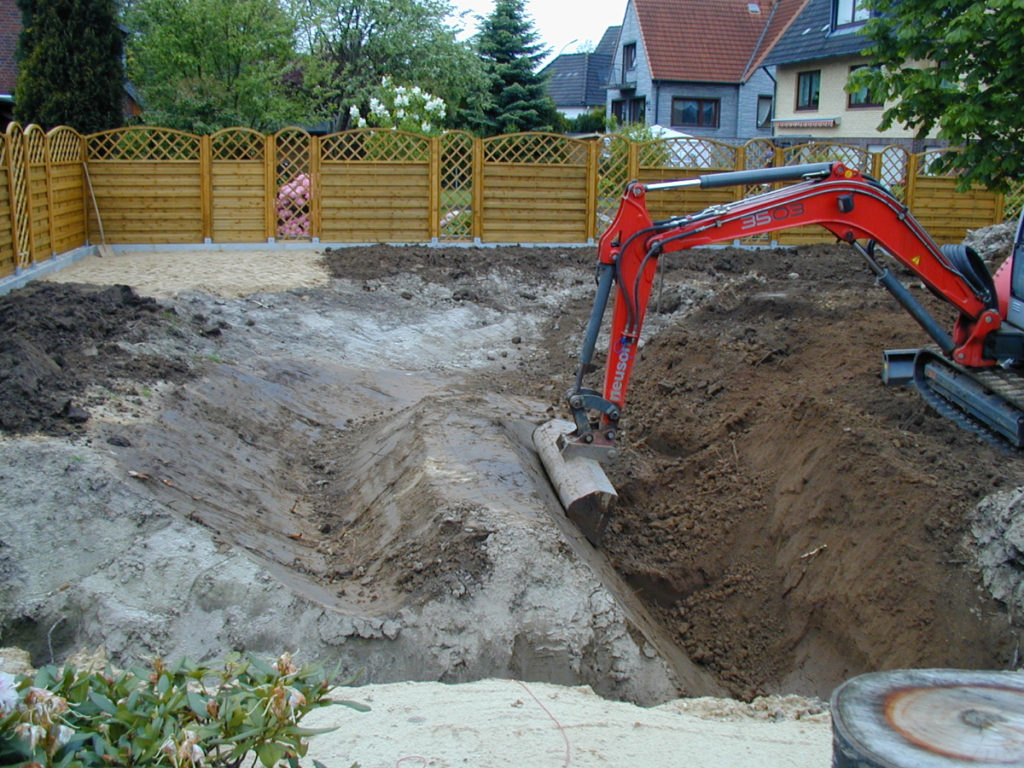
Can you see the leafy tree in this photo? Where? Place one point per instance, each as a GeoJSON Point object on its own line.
{"type": "Point", "coordinates": [954, 65]}
{"type": "Point", "coordinates": [354, 44]}
{"type": "Point", "coordinates": [202, 65]}
{"type": "Point", "coordinates": [516, 98]}
{"type": "Point", "coordinates": [70, 72]}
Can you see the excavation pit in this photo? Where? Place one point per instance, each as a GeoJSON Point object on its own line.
{"type": "Point", "coordinates": [334, 462]}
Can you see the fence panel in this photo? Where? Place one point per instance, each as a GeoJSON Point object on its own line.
{"type": "Point", "coordinates": [375, 187]}
{"type": "Point", "coordinates": [38, 189]}
{"type": "Point", "coordinates": [457, 186]}
{"type": "Point", "coordinates": [67, 189]}
{"type": "Point", "coordinates": [945, 213]}
{"type": "Point", "coordinates": [7, 248]}
{"type": "Point", "coordinates": [147, 184]}
{"type": "Point", "coordinates": [238, 207]}
{"type": "Point", "coordinates": [534, 189]}
{"type": "Point", "coordinates": [21, 210]}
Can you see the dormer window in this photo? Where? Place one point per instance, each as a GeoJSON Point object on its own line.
{"type": "Point", "coordinates": [846, 13]}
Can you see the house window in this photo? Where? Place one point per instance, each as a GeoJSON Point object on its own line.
{"type": "Point", "coordinates": [628, 60]}
{"type": "Point", "coordinates": [696, 113]}
{"type": "Point", "coordinates": [808, 85]}
{"type": "Point", "coordinates": [629, 56]}
{"type": "Point", "coordinates": [861, 98]}
{"type": "Point", "coordinates": [764, 111]}
{"type": "Point", "coordinates": [629, 110]}
{"type": "Point", "coordinates": [847, 12]}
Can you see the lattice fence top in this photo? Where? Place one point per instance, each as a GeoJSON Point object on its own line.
{"type": "Point", "coordinates": [377, 145]}
{"type": "Point", "coordinates": [892, 167]}
{"type": "Point", "coordinates": [759, 153]}
{"type": "Point", "coordinates": [3, 151]}
{"type": "Point", "coordinates": [65, 145]}
{"type": "Point", "coordinates": [688, 153]}
{"type": "Point", "coordinates": [35, 145]}
{"type": "Point", "coordinates": [814, 152]}
{"type": "Point", "coordinates": [237, 144]}
{"type": "Point", "coordinates": [929, 164]}
{"type": "Point", "coordinates": [142, 144]}
{"type": "Point", "coordinates": [543, 148]}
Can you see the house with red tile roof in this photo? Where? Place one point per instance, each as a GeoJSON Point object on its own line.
{"type": "Point", "coordinates": [813, 60]}
{"type": "Point", "coordinates": [697, 66]}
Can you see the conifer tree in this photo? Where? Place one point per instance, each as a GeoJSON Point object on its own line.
{"type": "Point", "coordinates": [516, 99]}
{"type": "Point", "coordinates": [70, 69]}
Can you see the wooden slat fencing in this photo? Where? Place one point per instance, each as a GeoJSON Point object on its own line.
{"type": "Point", "coordinates": [145, 185]}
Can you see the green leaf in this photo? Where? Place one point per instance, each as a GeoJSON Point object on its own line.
{"type": "Point", "coordinates": [103, 702]}
{"type": "Point", "coordinates": [197, 704]}
{"type": "Point", "coordinates": [270, 753]}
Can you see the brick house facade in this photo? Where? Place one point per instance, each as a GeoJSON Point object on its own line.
{"type": "Point", "coordinates": [10, 27]}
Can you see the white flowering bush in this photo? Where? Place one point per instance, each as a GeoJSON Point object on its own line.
{"type": "Point", "coordinates": [406, 108]}
{"type": "Point", "coordinates": [183, 715]}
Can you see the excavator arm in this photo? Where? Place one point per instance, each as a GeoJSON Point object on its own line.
{"type": "Point", "coordinates": [858, 211]}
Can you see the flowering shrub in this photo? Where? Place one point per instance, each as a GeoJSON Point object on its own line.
{"type": "Point", "coordinates": [293, 207]}
{"type": "Point", "coordinates": [408, 109]}
{"type": "Point", "coordinates": [182, 715]}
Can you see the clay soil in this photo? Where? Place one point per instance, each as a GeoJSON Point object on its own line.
{"type": "Point", "coordinates": [787, 519]}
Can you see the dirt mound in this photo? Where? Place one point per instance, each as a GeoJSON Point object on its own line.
{"type": "Point", "coordinates": [786, 521]}
{"type": "Point", "coordinates": [58, 340]}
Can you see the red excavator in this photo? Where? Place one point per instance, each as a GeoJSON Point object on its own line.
{"type": "Point", "coordinates": [974, 375]}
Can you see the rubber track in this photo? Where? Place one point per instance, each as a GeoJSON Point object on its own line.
{"type": "Point", "coordinates": [1004, 384]}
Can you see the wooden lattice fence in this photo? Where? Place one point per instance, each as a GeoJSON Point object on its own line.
{"type": "Point", "coordinates": [145, 185]}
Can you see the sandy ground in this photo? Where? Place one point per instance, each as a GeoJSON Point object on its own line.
{"type": "Point", "coordinates": [334, 464]}
{"type": "Point", "coordinates": [509, 723]}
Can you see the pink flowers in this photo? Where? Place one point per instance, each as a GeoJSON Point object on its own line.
{"type": "Point", "coordinates": [293, 207]}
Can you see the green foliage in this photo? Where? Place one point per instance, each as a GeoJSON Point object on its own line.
{"type": "Point", "coordinates": [177, 715]}
{"type": "Point", "coordinates": [69, 57]}
{"type": "Point", "coordinates": [515, 99]}
{"type": "Point", "coordinates": [954, 65]}
{"type": "Point", "coordinates": [353, 44]}
{"type": "Point", "coordinates": [589, 122]}
{"type": "Point", "coordinates": [202, 65]}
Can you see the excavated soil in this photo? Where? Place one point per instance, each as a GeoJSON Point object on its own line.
{"type": "Point", "coordinates": [786, 521]}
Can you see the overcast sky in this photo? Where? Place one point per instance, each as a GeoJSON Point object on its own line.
{"type": "Point", "coordinates": [563, 25]}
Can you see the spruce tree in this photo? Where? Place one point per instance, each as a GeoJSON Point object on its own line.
{"type": "Point", "coordinates": [70, 69]}
{"type": "Point", "coordinates": [516, 99]}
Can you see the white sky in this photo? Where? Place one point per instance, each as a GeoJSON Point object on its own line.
{"type": "Point", "coordinates": [563, 25]}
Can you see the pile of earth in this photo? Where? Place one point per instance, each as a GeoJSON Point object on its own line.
{"type": "Point", "coordinates": [786, 519]}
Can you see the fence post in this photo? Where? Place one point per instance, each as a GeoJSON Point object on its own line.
{"type": "Point", "coordinates": [316, 221]}
{"type": "Point", "coordinates": [478, 188]}
{"type": "Point", "coordinates": [740, 164]}
{"type": "Point", "coordinates": [51, 224]}
{"type": "Point", "coordinates": [633, 161]}
{"type": "Point", "coordinates": [912, 167]}
{"type": "Point", "coordinates": [83, 152]}
{"type": "Point", "coordinates": [206, 187]}
{"type": "Point", "coordinates": [593, 161]}
{"type": "Point", "coordinates": [270, 187]}
{"type": "Point", "coordinates": [21, 209]}
{"type": "Point", "coordinates": [434, 182]}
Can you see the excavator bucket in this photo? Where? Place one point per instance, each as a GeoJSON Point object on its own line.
{"type": "Point", "coordinates": [582, 486]}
